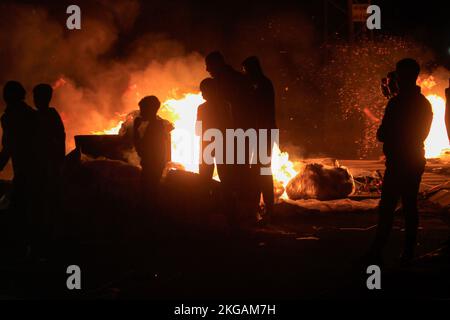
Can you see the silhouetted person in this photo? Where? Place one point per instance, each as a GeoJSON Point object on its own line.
{"type": "Point", "coordinates": [404, 128]}
{"type": "Point", "coordinates": [50, 151]}
{"type": "Point", "coordinates": [151, 136]}
{"type": "Point", "coordinates": [18, 124]}
{"type": "Point", "coordinates": [213, 114]}
{"type": "Point", "coordinates": [50, 128]}
{"type": "Point", "coordinates": [235, 90]}
{"type": "Point", "coordinates": [264, 99]}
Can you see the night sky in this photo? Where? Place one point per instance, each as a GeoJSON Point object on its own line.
{"type": "Point", "coordinates": [218, 22]}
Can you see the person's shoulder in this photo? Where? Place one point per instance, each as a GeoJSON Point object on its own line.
{"type": "Point", "coordinates": [137, 120]}
{"type": "Point", "coordinates": [203, 107]}
{"type": "Point", "coordinates": [54, 112]}
{"type": "Point", "coordinates": [29, 110]}
{"type": "Point", "coordinates": [267, 81]}
{"type": "Point", "coordinates": [166, 125]}
{"type": "Point", "coordinates": [393, 101]}
{"type": "Point", "coordinates": [29, 113]}
{"type": "Point", "coordinates": [236, 75]}
{"type": "Point", "coordinates": [423, 100]}
{"type": "Point", "coordinates": [27, 107]}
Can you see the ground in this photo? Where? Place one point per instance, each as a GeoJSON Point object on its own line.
{"type": "Point", "coordinates": [302, 254]}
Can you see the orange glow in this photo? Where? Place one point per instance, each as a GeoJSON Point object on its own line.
{"type": "Point", "coordinates": [437, 141]}
{"type": "Point", "coordinates": [186, 145]}
{"type": "Point", "coordinates": [282, 168]}
{"type": "Point", "coordinates": [182, 113]}
{"type": "Point", "coordinates": [113, 130]}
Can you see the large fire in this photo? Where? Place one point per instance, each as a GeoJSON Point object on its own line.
{"type": "Point", "coordinates": [182, 113]}
{"type": "Point", "coordinates": [185, 144]}
{"type": "Point", "coordinates": [437, 143]}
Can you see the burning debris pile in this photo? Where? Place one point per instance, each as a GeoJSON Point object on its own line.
{"type": "Point", "coordinates": [318, 181]}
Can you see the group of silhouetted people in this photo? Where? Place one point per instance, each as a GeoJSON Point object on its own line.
{"type": "Point", "coordinates": [34, 141]}
{"type": "Point", "coordinates": [239, 100]}
{"type": "Point", "coordinates": [233, 100]}
{"type": "Point", "coordinates": [246, 100]}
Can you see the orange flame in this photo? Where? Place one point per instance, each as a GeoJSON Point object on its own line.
{"type": "Point", "coordinates": [437, 142]}
{"type": "Point", "coordinates": [113, 130]}
{"type": "Point", "coordinates": [185, 144]}
{"type": "Point", "coordinates": [182, 113]}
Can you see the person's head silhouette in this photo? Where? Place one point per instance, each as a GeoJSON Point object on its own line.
{"type": "Point", "coordinates": [407, 72]}
{"type": "Point", "coordinates": [13, 92]}
{"type": "Point", "coordinates": [208, 89]}
{"type": "Point", "coordinates": [215, 63]}
{"type": "Point", "coordinates": [148, 107]}
{"type": "Point", "coordinates": [252, 67]}
{"type": "Point", "coordinates": [42, 94]}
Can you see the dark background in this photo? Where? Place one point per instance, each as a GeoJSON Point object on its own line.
{"type": "Point", "coordinates": [220, 21]}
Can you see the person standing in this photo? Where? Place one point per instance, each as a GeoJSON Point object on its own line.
{"type": "Point", "coordinates": [234, 89]}
{"type": "Point", "coordinates": [264, 100]}
{"type": "Point", "coordinates": [151, 136]}
{"type": "Point", "coordinates": [213, 114]}
{"type": "Point", "coordinates": [404, 128]}
{"type": "Point", "coordinates": [18, 124]}
{"type": "Point", "coordinates": [50, 151]}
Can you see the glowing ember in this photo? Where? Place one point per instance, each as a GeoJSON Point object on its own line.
{"type": "Point", "coordinates": [437, 141]}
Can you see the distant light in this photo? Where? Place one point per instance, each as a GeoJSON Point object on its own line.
{"type": "Point", "coordinates": [448, 50]}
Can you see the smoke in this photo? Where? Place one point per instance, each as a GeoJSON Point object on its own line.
{"type": "Point", "coordinates": [101, 71]}
{"type": "Point", "coordinates": [95, 83]}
